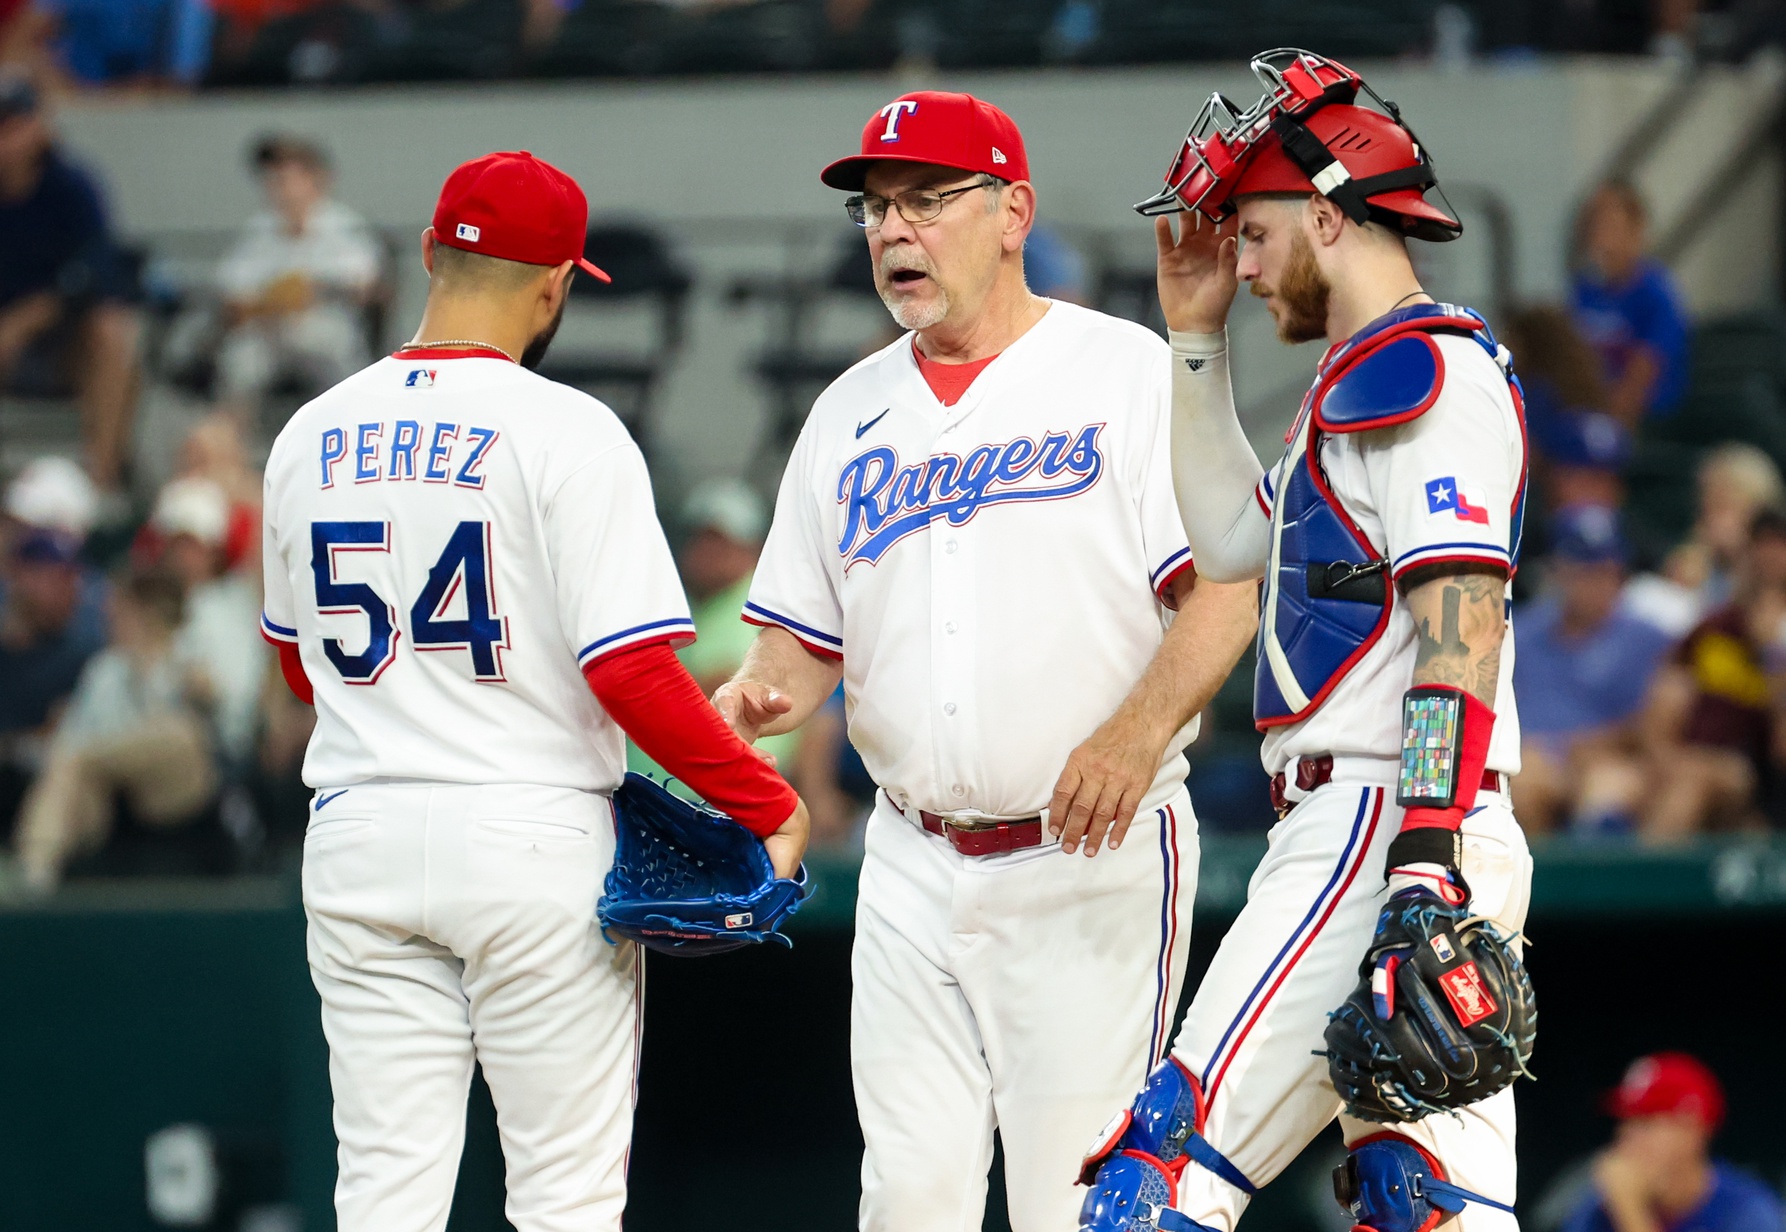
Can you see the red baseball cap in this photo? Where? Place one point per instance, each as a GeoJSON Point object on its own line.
{"type": "Point", "coordinates": [931, 126]}
{"type": "Point", "coordinates": [1668, 1082]}
{"type": "Point", "coordinates": [517, 207]}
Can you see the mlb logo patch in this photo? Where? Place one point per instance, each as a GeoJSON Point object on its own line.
{"type": "Point", "coordinates": [739, 919]}
{"type": "Point", "coordinates": [1445, 496]}
{"type": "Point", "coordinates": [1442, 947]}
{"type": "Point", "coordinates": [466, 231]}
{"type": "Point", "coordinates": [420, 378]}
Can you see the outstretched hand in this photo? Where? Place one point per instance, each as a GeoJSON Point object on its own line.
{"type": "Point", "coordinates": [1196, 271]}
{"type": "Point", "coordinates": [748, 706]}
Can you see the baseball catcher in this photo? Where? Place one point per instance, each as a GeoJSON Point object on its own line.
{"type": "Point", "coordinates": [1386, 537]}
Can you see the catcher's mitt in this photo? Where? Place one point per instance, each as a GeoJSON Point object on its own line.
{"type": "Point", "coordinates": [689, 880]}
{"type": "Point", "coordinates": [1444, 1014]}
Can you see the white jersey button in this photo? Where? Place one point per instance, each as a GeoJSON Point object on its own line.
{"type": "Point", "coordinates": [950, 547]}
{"type": "Point", "coordinates": [948, 707]}
{"type": "Point", "coordinates": [958, 790]}
{"type": "Point", "coordinates": [950, 627]}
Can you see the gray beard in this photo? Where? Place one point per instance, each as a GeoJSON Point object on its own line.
{"type": "Point", "coordinates": [917, 316]}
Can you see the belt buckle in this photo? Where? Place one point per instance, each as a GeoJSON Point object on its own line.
{"type": "Point", "coordinates": [971, 821]}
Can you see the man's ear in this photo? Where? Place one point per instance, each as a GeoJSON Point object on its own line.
{"type": "Point", "coordinates": [428, 250]}
{"type": "Point", "coordinates": [1326, 221]}
{"type": "Point", "coordinates": [1020, 215]}
{"type": "Point", "coordinates": [559, 285]}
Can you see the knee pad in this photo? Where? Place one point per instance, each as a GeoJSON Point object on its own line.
{"type": "Point", "coordinates": [1133, 1167]}
{"type": "Point", "coordinates": [1158, 1124]}
{"type": "Point", "coordinates": [1393, 1184]}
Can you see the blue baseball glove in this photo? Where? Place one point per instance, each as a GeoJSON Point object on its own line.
{"type": "Point", "coordinates": [688, 880]}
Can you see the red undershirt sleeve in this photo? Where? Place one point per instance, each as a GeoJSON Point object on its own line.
{"type": "Point", "coordinates": [292, 668]}
{"type": "Point", "coordinates": [648, 692]}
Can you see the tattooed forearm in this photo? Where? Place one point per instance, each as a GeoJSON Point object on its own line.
{"type": "Point", "coordinates": [1459, 622]}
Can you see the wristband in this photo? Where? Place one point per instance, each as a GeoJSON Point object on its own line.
{"type": "Point", "coordinates": [1428, 844]}
{"type": "Point", "coordinates": [1197, 346]}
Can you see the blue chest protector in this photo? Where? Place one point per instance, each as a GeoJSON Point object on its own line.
{"type": "Point", "coordinates": [1328, 592]}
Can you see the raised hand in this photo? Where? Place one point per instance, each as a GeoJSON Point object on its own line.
{"type": "Point", "coordinates": [1197, 278]}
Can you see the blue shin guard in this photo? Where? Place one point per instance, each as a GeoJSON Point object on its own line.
{"type": "Point", "coordinates": [1132, 1193]}
{"type": "Point", "coordinates": [1392, 1184]}
{"type": "Point", "coordinates": [1133, 1167]}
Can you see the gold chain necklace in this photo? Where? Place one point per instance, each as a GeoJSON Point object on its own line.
{"type": "Point", "coordinates": [457, 342]}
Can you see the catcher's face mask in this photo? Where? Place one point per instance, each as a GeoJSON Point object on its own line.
{"type": "Point", "coordinates": [1222, 137]}
{"type": "Point", "coordinates": [1283, 143]}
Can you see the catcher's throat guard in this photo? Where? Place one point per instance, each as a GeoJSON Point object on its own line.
{"type": "Point", "coordinates": [688, 880]}
{"type": "Point", "coordinates": [1288, 141]}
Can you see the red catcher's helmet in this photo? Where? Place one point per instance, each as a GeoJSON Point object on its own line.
{"type": "Point", "coordinates": [1307, 134]}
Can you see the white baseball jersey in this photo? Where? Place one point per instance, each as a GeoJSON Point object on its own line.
{"type": "Point", "coordinates": [1438, 488]}
{"type": "Point", "coordinates": [448, 540]}
{"type": "Point", "coordinates": [989, 571]}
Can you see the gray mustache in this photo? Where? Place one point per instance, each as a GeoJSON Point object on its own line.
{"type": "Point", "coordinates": [890, 266]}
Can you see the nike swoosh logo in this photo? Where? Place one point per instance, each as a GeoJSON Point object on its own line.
{"type": "Point", "coordinates": [322, 802]}
{"type": "Point", "coordinates": [863, 427]}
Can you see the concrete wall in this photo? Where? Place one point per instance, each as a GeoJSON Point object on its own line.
{"type": "Point", "coordinates": [730, 168]}
{"type": "Point", "coordinates": [1098, 141]}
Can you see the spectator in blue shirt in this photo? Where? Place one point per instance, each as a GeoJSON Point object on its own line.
{"type": "Point", "coordinates": [104, 42]}
{"type": "Point", "coordinates": [1659, 1175]}
{"type": "Point", "coordinates": [1626, 304]}
{"type": "Point", "coordinates": [66, 315]}
{"type": "Point", "coordinates": [1583, 668]}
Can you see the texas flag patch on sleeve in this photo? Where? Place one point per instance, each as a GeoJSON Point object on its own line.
{"type": "Point", "coordinates": [1445, 496]}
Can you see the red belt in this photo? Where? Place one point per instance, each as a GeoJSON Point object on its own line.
{"type": "Point", "coordinates": [1313, 772]}
{"type": "Point", "coordinates": [986, 838]}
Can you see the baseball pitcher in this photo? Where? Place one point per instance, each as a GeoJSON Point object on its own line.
{"type": "Point", "coordinates": [465, 572]}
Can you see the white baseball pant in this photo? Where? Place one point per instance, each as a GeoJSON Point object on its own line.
{"type": "Point", "coordinates": [1292, 956]}
{"type": "Point", "coordinates": [1031, 992]}
{"type": "Point", "coordinates": [453, 923]}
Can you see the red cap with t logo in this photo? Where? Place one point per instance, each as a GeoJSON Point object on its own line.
{"type": "Point", "coordinates": [517, 207]}
{"type": "Point", "coordinates": [931, 126]}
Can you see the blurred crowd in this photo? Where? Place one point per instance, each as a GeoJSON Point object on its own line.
{"type": "Point", "coordinates": [181, 44]}
{"type": "Point", "coordinates": [1651, 700]}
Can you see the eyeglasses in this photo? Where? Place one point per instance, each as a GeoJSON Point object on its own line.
{"type": "Point", "coordinates": [915, 205]}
